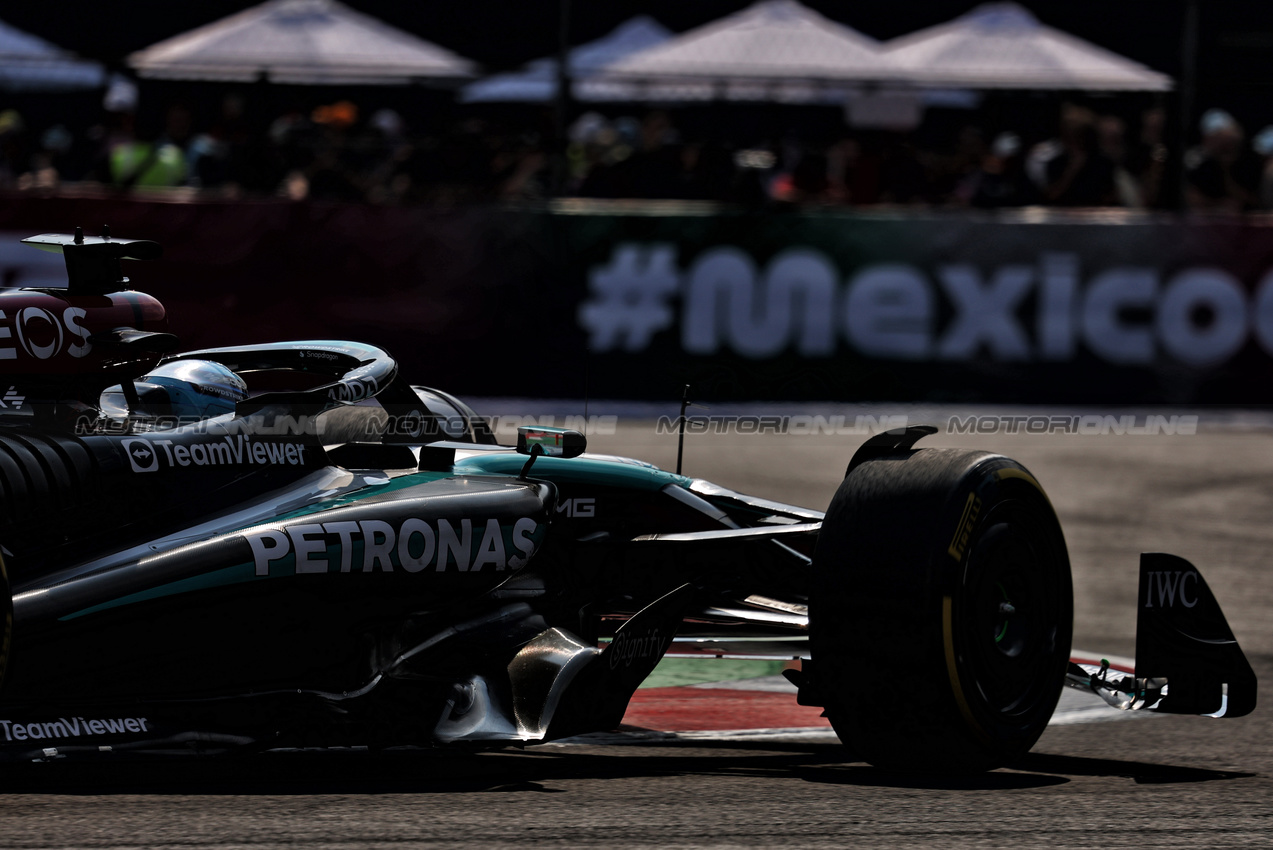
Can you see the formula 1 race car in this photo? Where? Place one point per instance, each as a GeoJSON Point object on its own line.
{"type": "Point", "coordinates": [289, 545]}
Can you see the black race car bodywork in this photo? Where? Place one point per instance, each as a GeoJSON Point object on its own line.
{"type": "Point", "coordinates": [351, 560]}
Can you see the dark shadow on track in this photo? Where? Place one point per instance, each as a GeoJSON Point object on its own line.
{"type": "Point", "coordinates": [1035, 770]}
{"type": "Point", "coordinates": [419, 772]}
{"type": "Point", "coordinates": [1140, 772]}
{"type": "Point", "coordinates": [425, 772]}
{"type": "Point", "coordinates": [865, 776]}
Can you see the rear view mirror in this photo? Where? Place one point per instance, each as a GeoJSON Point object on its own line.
{"type": "Point", "coordinates": [552, 442]}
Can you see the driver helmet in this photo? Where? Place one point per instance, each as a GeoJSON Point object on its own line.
{"type": "Point", "coordinates": [197, 389]}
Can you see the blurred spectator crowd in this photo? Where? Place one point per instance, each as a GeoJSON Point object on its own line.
{"type": "Point", "coordinates": [339, 152]}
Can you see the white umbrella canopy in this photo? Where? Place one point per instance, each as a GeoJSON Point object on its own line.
{"type": "Point", "coordinates": [29, 63]}
{"type": "Point", "coordinates": [305, 42]}
{"type": "Point", "coordinates": [537, 83]}
{"type": "Point", "coordinates": [1003, 46]}
{"type": "Point", "coordinates": [774, 50]}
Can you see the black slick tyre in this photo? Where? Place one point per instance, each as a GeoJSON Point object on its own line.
{"type": "Point", "coordinates": [6, 620]}
{"type": "Point", "coordinates": [941, 611]}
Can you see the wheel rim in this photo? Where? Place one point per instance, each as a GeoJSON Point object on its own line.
{"type": "Point", "coordinates": [1010, 618]}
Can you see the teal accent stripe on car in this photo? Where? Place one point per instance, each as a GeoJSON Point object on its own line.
{"type": "Point", "coordinates": [401, 483]}
{"type": "Point", "coordinates": [237, 574]}
{"type": "Point", "coordinates": [579, 470]}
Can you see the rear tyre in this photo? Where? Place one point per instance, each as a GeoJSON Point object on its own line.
{"type": "Point", "coordinates": [941, 611]}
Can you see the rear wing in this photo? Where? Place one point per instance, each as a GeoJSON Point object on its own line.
{"type": "Point", "coordinates": [92, 262]}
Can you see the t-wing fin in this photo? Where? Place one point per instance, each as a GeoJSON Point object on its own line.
{"type": "Point", "coordinates": [151, 342]}
{"type": "Point", "coordinates": [1187, 659]}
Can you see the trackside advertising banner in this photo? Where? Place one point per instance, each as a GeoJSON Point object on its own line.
{"type": "Point", "coordinates": [635, 300]}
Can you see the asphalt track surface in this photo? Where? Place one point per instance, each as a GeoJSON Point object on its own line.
{"type": "Point", "coordinates": [1160, 781]}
